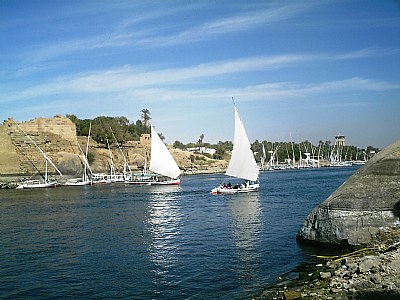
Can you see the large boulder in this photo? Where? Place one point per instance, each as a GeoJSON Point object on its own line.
{"type": "Point", "coordinates": [367, 201]}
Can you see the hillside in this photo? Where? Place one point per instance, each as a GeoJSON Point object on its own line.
{"type": "Point", "coordinates": [57, 138]}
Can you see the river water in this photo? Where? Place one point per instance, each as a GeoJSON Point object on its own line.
{"type": "Point", "coordinates": [141, 242]}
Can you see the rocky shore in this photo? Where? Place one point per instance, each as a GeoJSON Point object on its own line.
{"type": "Point", "coordinates": [371, 271]}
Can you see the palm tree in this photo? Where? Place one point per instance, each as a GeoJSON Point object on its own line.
{"type": "Point", "coordinates": [201, 138]}
{"type": "Point", "coordinates": [145, 117]}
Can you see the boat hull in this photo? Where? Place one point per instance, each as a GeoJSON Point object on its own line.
{"type": "Point", "coordinates": [241, 189]}
{"type": "Point", "coordinates": [167, 182]}
{"type": "Point", "coordinates": [154, 182]}
{"type": "Point", "coordinates": [36, 185]}
{"type": "Point", "coordinates": [78, 183]}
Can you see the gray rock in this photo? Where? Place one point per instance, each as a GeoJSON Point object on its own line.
{"type": "Point", "coordinates": [367, 201]}
{"type": "Point", "coordinates": [325, 275]}
{"type": "Point", "coordinates": [395, 265]}
{"type": "Point", "coordinates": [362, 285]}
{"type": "Point", "coordinates": [368, 264]}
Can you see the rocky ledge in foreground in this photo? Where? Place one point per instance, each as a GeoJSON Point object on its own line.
{"type": "Point", "coordinates": [371, 272]}
{"type": "Point", "coordinates": [367, 201]}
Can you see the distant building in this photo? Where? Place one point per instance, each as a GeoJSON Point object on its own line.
{"type": "Point", "coordinates": [145, 138]}
{"type": "Point", "coordinates": [202, 150]}
{"type": "Point", "coordinates": [340, 140]}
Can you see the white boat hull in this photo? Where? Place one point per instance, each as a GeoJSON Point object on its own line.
{"type": "Point", "coordinates": [241, 189]}
{"type": "Point", "coordinates": [35, 184]}
{"type": "Point", "coordinates": [78, 183]}
{"type": "Point", "coordinates": [167, 182]}
{"type": "Point", "coordinates": [155, 182]}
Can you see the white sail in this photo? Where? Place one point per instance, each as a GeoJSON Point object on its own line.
{"type": "Point", "coordinates": [242, 163]}
{"type": "Point", "coordinates": [161, 161]}
{"type": "Point", "coordinates": [264, 157]}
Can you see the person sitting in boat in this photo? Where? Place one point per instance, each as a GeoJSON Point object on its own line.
{"type": "Point", "coordinates": [229, 186]}
{"type": "Point", "coordinates": [244, 185]}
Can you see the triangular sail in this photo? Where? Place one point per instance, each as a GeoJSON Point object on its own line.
{"type": "Point", "coordinates": [161, 161]}
{"type": "Point", "coordinates": [242, 163]}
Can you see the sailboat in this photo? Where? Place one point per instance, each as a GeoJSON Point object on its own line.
{"type": "Point", "coordinates": [242, 163]}
{"type": "Point", "coordinates": [36, 183]}
{"type": "Point", "coordinates": [112, 177]}
{"type": "Point", "coordinates": [85, 179]}
{"type": "Point", "coordinates": [164, 169]}
{"type": "Point", "coordinates": [127, 172]}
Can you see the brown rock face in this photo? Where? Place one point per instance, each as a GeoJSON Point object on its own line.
{"type": "Point", "coordinates": [52, 135]}
{"type": "Point", "coordinates": [368, 200]}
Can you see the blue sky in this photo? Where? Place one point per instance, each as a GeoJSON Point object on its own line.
{"type": "Point", "coordinates": [309, 69]}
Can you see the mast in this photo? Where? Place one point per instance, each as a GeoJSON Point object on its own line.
{"type": "Point", "coordinates": [112, 161]}
{"type": "Point", "coordinates": [264, 157]}
{"type": "Point", "coordinates": [123, 155]}
{"type": "Point", "coordinates": [294, 158]}
{"type": "Point", "coordinates": [85, 165]}
{"type": "Point", "coordinates": [87, 150]}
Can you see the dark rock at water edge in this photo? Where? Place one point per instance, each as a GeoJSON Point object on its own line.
{"type": "Point", "coordinates": [367, 272]}
{"type": "Point", "coordinates": [367, 201]}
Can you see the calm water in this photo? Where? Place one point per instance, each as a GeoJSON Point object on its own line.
{"type": "Point", "coordinates": [129, 242]}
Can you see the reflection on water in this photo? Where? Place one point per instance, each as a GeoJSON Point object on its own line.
{"type": "Point", "coordinates": [163, 225]}
{"type": "Point", "coordinates": [246, 223]}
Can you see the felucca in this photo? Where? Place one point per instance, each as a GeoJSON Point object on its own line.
{"type": "Point", "coordinates": [162, 164]}
{"type": "Point", "coordinates": [242, 163]}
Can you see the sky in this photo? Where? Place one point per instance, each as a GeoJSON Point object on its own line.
{"type": "Point", "coordinates": [303, 69]}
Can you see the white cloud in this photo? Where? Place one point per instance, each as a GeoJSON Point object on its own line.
{"type": "Point", "coordinates": [140, 31]}
{"type": "Point", "coordinates": [129, 78]}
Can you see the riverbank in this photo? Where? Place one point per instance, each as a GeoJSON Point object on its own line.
{"type": "Point", "coordinates": [368, 272]}
{"type": "Point", "coordinates": [11, 181]}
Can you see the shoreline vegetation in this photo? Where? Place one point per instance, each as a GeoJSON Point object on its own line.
{"type": "Point", "coordinates": [370, 271]}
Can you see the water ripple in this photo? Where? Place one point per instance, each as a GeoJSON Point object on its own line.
{"type": "Point", "coordinates": [128, 242]}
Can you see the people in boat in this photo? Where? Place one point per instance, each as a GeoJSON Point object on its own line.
{"type": "Point", "coordinates": [245, 184]}
{"type": "Point", "coordinates": [226, 186]}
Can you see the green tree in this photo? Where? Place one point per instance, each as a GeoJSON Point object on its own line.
{"type": "Point", "coordinates": [179, 145]}
{"type": "Point", "coordinates": [201, 139]}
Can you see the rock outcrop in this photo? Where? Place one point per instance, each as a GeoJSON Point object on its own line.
{"type": "Point", "coordinates": [52, 135]}
{"type": "Point", "coordinates": [367, 201]}
{"type": "Point", "coordinates": [371, 272]}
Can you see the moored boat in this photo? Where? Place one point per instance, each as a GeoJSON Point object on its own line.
{"type": "Point", "coordinates": [36, 183]}
{"type": "Point", "coordinates": [164, 169]}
